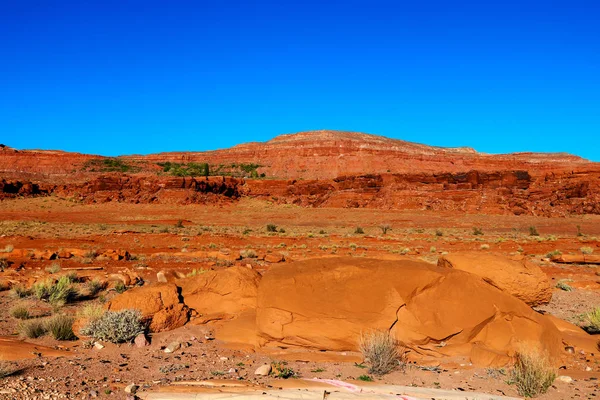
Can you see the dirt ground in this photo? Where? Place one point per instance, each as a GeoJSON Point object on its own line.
{"type": "Point", "coordinates": [159, 236]}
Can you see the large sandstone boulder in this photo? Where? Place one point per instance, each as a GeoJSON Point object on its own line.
{"type": "Point", "coordinates": [221, 294]}
{"type": "Point", "coordinates": [522, 279]}
{"type": "Point", "coordinates": [327, 303]}
{"type": "Point", "coordinates": [159, 303]}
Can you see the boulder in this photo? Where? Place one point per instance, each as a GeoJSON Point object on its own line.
{"type": "Point", "coordinates": [169, 318]}
{"type": "Point", "coordinates": [522, 279]}
{"type": "Point", "coordinates": [159, 302]}
{"type": "Point", "coordinates": [221, 294]}
{"type": "Point", "coordinates": [327, 303]}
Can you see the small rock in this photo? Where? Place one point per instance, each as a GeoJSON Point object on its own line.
{"type": "Point", "coordinates": [223, 358]}
{"type": "Point", "coordinates": [588, 369]}
{"type": "Point", "coordinates": [232, 370]}
{"type": "Point", "coordinates": [161, 277]}
{"type": "Point", "coordinates": [565, 379]}
{"type": "Point", "coordinates": [93, 394]}
{"type": "Point", "coordinates": [172, 347]}
{"type": "Point", "coordinates": [263, 370]}
{"type": "Point", "coordinates": [141, 340]}
{"type": "Point", "coordinates": [98, 345]}
{"type": "Point", "coordinates": [131, 388]}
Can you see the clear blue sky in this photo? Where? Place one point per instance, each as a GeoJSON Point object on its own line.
{"type": "Point", "coordinates": [119, 76]}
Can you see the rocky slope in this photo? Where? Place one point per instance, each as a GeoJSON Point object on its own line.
{"type": "Point", "coordinates": [322, 169]}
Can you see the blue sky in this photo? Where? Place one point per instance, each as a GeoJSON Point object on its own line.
{"type": "Point", "coordinates": [120, 76]}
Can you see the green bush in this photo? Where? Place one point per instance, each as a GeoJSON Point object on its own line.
{"type": "Point", "coordinates": [533, 231]}
{"type": "Point", "coordinates": [57, 294]}
{"type": "Point", "coordinates": [531, 373]}
{"type": "Point", "coordinates": [61, 327]}
{"type": "Point", "coordinates": [586, 250]}
{"type": "Point", "coordinates": [115, 326]}
{"type": "Point", "coordinates": [94, 287]}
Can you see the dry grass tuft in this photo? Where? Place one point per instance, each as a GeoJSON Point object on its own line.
{"type": "Point", "coordinates": [532, 373]}
{"type": "Point", "coordinates": [380, 351]}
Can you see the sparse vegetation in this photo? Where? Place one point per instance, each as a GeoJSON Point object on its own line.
{"type": "Point", "coordinates": [477, 231]}
{"type": "Point", "coordinates": [586, 250]}
{"type": "Point", "coordinates": [484, 246]}
{"type": "Point", "coordinates": [31, 329]}
{"type": "Point", "coordinates": [579, 233]}
{"type": "Point", "coordinates": [438, 232]}
{"type": "Point", "coordinates": [564, 286]}
{"type": "Point", "coordinates": [532, 373]}
{"type": "Point", "coordinates": [365, 378]}
{"type": "Point", "coordinates": [385, 228]}
{"type": "Point", "coordinates": [271, 228]}
{"type": "Point", "coordinates": [57, 294]}
{"type": "Point", "coordinates": [7, 249]}
{"type": "Point", "coordinates": [94, 287]}
{"type": "Point", "coordinates": [120, 287]}
{"type": "Point", "coordinates": [19, 292]}
{"type": "Point", "coordinates": [248, 253]}
{"type": "Point", "coordinates": [281, 370]}
{"type": "Point", "coordinates": [54, 268]}
{"type": "Point", "coordinates": [20, 311]}
{"type": "Point", "coordinates": [359, 231]}
{"type": "Point", "coordinates": [115, 326]}
{"type": "Point", "coordinates": [554, 253]}
{"type": "Point", "coordinates": [593, 320]}
{"type": "Point", "coordinates": [533, 231]}
{"type": "Point", "coordinates": [380, 352]}
{"type": "Point", "coordinates": [109, 164]}
{"type": "Point", "coordinates": [91, 312]}
{"type": "Point", "coordinates": [61, 327]}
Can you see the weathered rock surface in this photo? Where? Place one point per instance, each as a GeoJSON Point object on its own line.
{"type": "Point", "coordinates": [159, 302]}
{"type": "Point", "coordinates": [326, 303]}
{"type": "Point", "coordinates": [221, 294]}
{"type": "Point", "coordinates": [521, 278]}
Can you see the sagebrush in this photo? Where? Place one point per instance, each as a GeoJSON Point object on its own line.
{"type": "Point", "coordinates": [115, 326]}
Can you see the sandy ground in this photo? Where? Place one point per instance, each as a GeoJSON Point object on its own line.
{"type": "Point", "coordinates": [144, 230]}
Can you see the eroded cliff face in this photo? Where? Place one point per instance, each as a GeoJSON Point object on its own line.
{"type": "Point", "coordinates": [325, 169]}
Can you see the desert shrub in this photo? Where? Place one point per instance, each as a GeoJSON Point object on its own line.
{"type": "Point", "coordinates": [196, 272]}
{"type": "Point", "coordinates": [281, 230]}
{"type": "Point", "coordinates": [477, 231]}
{"type": "Point", "coordinates": [432, 249]}
{"type": "Point", "coordinates": [248, 253]}
{"type": "Point", "coordinates": [120, 287]}
{"type": "Point", "coordinates": [281, 370]}
{"type": "Point", "coordinates": [115, 326]}
{"type": "Point", "coordinates": [94, 287]}
{"type": "Point", "coordinates": [365, 378]}
{"type": "Point", "coordinates": [57, 294]}
{"type": "Point", "coordinates": [579, 233]}
{"type": "Point", "coordinates": [359, 230]}
{"type": "Point", "coordinates": [20, 311]}
{"type": "Point", "coordinates": [91, 311]}
{"type": "Point", "coordinates": [7, 249]}
{"type": "Point", "coordinates": [380, 351]}
{"type": "Point", "coordinates": [533, 231]}
{"type": "Point", "coordinates": [54, 268]}
{"type": "Point", "coordinates": [20, 292]}
{"type": "Point", "coordinates": [438, 232]}
{"type": "Point", "coordinates": [179, 224]}
{"type": "Point", "coordinates": [271, 228]}
{"type": "Point", "coordinates": [554, 253]}
{"type": "Point", "coordinates": [532, 373]}
{"type": "Point", "coordinates": [593, 320]}
{"type": "Point", "coordinates": [484, 246]}
{"type": "Point", "coordinates": [61, 327]}
{"type": "Point", "coordinates": [562, 285]}
{"type": "Point", "coordinates": [31, 329]}
{"type": "Point", "coordinates": [385, 228]}
{"type": "Point", "coordinates": [586, 250]}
